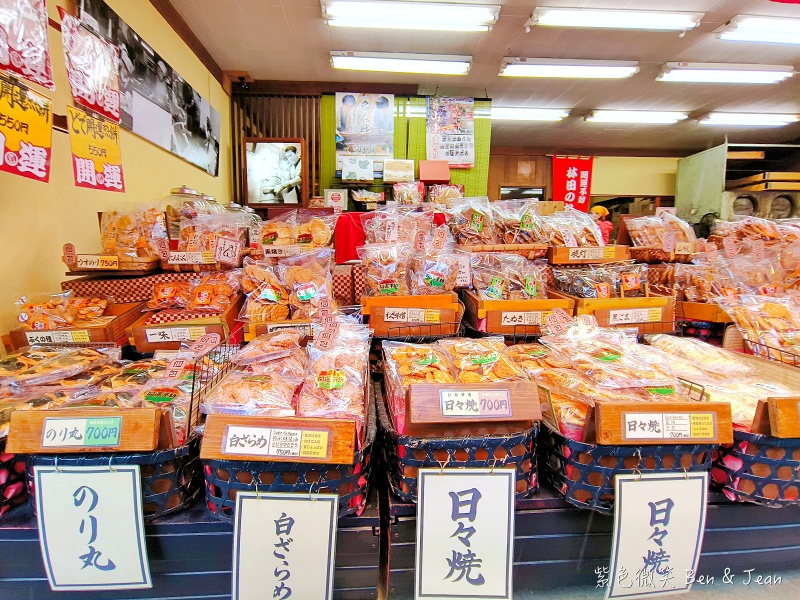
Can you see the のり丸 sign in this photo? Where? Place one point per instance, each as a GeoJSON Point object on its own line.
{"type": "Point", "coordinates": [26, 131]}
{"type": "Point", "coordinates": [572, 180]}
{"type": "Point", "coordinates": [96, 155]}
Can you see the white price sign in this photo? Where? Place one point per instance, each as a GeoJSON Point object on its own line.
{"type": "Point", "coordinates": [464, 278]}
{"type": "Point", "coordinates": [284, 545]}
{"type": "Point", "coordinates": [635, 315]}
{"type": "Point", "coordinates": [684, 248]}
{"type": "Point", "coordinates": [411, 315]}
{"type": "Point", "coordinates": [57, 337]}
{"type": "Point", "coordinates": [303, 328]}
{"type": "Point", "coordinates": [592, 253]}
{"type": "Point", "coordinates": [91, 529]}
{"type": "Point", "coordinates": [669, 426]}
{"type": "Point", "coordinates": [97, 261]}
{"type": "Point", "coordinates": [659, 521]}
{"type": "Point", "coordinates": [475, 403]}
{"type": "Point", "coordinates": [190, 258]}
{"type": "Point", "coordinates": [465, 534]}
{"type": "Point", "coordinates": [511, 319]}
{"type": "Point", "coordinates": [174, 334]}
{"type": "Point", "coordinates": [666, 209]}
{"type": "Point", "coordinates": [271, 441]}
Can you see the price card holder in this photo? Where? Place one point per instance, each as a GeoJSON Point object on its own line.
{"type": "Point", "coordinates": [284, 545]}
{"type": "Point", "coordinates": [465, 534]}
{"type": "Point", "coordinates": [659, 522]}
{"type": "Point", "coordinates": [91, 529]}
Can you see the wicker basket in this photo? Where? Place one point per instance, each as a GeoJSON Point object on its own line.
{"type": "Point", "coordinates": [405, 455]}
{"type": "Point", "coordinates": [12, 480]}
{"type": "Point", "coordinates": [760, 469]}
{"type": "Point", "coordinates": [584, 473]}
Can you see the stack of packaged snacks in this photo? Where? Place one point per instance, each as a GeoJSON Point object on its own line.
{"type": "Point", "coordinates": [471, 221]}
{"type": "Point", "coordinates": [517, 221]}
{"type": "Point", "coordinates": [409, 192]}
{"type": "Point", "coordinates": [625, 280]}
{"type": "Point", "coordinates": [36, 312]}
{"type": "Point", "coordinates": [211, 293]}
{"type": "Point", "coordinates": [770, 324]}
{"type": "Point", "coordinates": [571, 228]}
{"type": "Point", "coordinates": [131, 235]}
{"type": "Point", "coordinates": [299, 226]}
{"type": "Point", "coordinates": [446, 194]}
{"type": "Point", "coordinates": [500, 276]}
{"type": "Point", "coordinates": [396, 224]}
{"type": "Point", "coordinates": [650, 231]}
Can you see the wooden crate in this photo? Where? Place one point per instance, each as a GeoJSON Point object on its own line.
{"type": "Point", "coordinates": [511, 317]}
{"type": "Point", "coordinates": [448, 300]}
{"type": "Point", "coordinates": [561, 255]}
{"type": "Point", "coordinates": [735, 184]}
{"type": "Point", "coordinates": [529, 251]}
{"type": "Point", "coordinates": [701, 311]}
{"type": "Point", "coordinates": [253, 330]}
{"type": "Point", "coordinates": [628, 312]}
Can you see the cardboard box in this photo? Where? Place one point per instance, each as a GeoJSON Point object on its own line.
{"type": "Point", "coordinates": [122, 289]}
{"type": "Point", "coordinates": [434, 171]}
{"type": "Point", "coordinates": [398, 171]}
{"type": "Point", "coordinates": [343, 284]}
{"type": "Point", "coordinates": [511, 317]}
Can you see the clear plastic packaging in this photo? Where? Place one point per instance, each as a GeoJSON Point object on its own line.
{"type": "Point", "coordinates": [280, 230]}
{"type": "Point", "coordinates": [571, 228]}
{"type": "Point", "coordinates": [214, 293]}
{"type": "Point", "coordinates": [292, 366]}
{"type": "Point", "coordinates": [479, 360]}
{"type": "Point", "coordinates": [170, 294]}
{"type": "Point", "coordinates": [710, 359]}
{"type": "Point", "coordinates": [533, 358]}
{"type": "Point", "coordinates": [314, 229]}
{"type": "Point", "coordinates": [134, 375]}
{"type": "Point", "coordinates": [132, 233]}
{"type": "Point", "coordinates": [308, 278]}
{"type": "Point", "coordinates": [246, 394]}
{"type": "Point", "coordinates": [434, 271]}
{"type": "Point", "coordinates": [471, 222]}
{"type": "Point", "coordinates": [17, 363]}
{"type": "Point", "coordinates": [409, 192]}
{"type": "Point", "coordinates": [396, 224]}
{"type": "Point", "coordinates": [499, 276]}
{"type": "Point", "coordinates": [173, 393]}
{"type": "Point", "coordinates": [65, 364]}
{"type": "Point", "coordinates": [445, 194]}
{"type": "Point", "coordinates": [385, 269]}
{"type": "Point", "coordinates": [268, 347]}
{"type": "Point", "coordinates": [517, 221]}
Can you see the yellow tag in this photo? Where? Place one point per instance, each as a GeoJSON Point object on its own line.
{"type": "Point", "coordinates": [432, 316]}
{"type": "Point", "coordinates": [610, 252]}
{"type": "Point", "coordinates": [208, 258]}
{"type": "Point", "coordinates": [80, 336]}
{"type": "Point", "coordinates": [654, 315]}
{"type": "Point", "coordinates": [195, 333]}
{"type": "Point", "coordinates": [27, 131]}
{"type": "Point", "coordinates": [96, 155]}
{"type": "Point", "coordinates": [314, 444]}
{"type": "Point", "coordinates": [702, 426]}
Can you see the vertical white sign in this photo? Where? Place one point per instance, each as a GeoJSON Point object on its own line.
{"type": "Point", "coordinates": [91, 529]}
{"type": "Point", "coordinates": [465, 534]}
{"type": "Point", "coordinates": [284, 545]}
{"type": "Point", "coordinates": [659, 521]}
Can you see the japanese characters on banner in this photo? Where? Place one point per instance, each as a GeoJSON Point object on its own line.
{"type": "Point", "coordinates": [284, 546]}
{"type": "Point", "coordinates": [659, 521]}
{"type": "Point", "coordinates": [92, 68]}
{"type": "Point", "coordinates": [96, 156]}
{"type": "Point", "coordinates": [465, 534]}
{"type": "Point", "coordinates": [24, 49]}
{"type": "Point", "coordinates": [26, 132]}
{"type": "Point", "coordinates": [91, 529]}
{"type": "Point", "coordinates": [572, 180]}
{"type": "Point", "coordinates": [364, 127]}
{"type": "Point", "coordinates": [451, 131]}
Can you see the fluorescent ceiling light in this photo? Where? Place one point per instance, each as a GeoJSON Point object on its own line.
{"type": "Point", "coordinates": [748, 119]}
{"type": "Point", "coordinates": [649, 20]}
{"type": "Point", "coordinates": [433, 64]}
{"type": "Point", "coordinates": [521, 113]}
{"type": "Point", "coordinates": [426, 16]}
{"type": "Point", "coordinates": [768, 30]}
{"type": "Point", "coordinates": [580, 69]}
{"type": "Point", "coordinates": [636, 116]}
{"type": "Point", "coordinates": [724, 73]}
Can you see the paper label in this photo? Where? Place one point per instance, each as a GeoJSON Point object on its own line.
{"type": "Point", "coordinates": [302, 327]}
{"type": "Point", "coordinates": [464, 278]}
{"type": "Point", "coordinates": [684, 248]}
{"type": "Point", "coordinates": [635, 315]}
{"type": "Point", "coordinates": [277, 442]}
{"type": "Point", "coordinates": [174, 334]}
{"type": "Point", "coordinates": [388, 286]}
{"type": "Point", "coordinates": [496, 287]}
{"type": "Point", "coordinates": [58, 337]}
{"type": "Point", "coordinates": [327, 336]}
{"type": "Point", "coordinates": [419, 241]}
{"type": "Point", "coordinates": [440, 238]}
{"type": "Point", "coordinates": [758, 250]}
{"type": "Point", "coordinates": [205, 344]}
{"type": "Point", "coordinates": [70, 257]}
{"type": "Point", "coordinates": [668, 241]}
{"type": "Point", "coordinates": [306, 292]}
{"type": "Point", "coordinates": [630, 282]}
{"type": "Point", "coordinates": [330, 380]}
{"type": "Point", "coordinates": [395, 315]}
{"type": "Point", "coordinates": [475, 403]}
{"type": "Point", "coordinates": [432, 315]}
{"type": "Point", "coordinates": [391, 229]}
{"type": "Point", "coordinates": [562, 316]}
{"type": "Point", "coordinates": [411, 315]}
{"type": "Point", "coordinates": [669, 426]}
{"type": "Point", "coordinates": [730, 247]}
{"type": "Point", "coordinates": [175, 368]}
{"type": "Point", "coordinates": [88, 433]}
{"type": "Point", "coordinates": [603, 290]}
{"type": "Point", "coordinates": [227, 250]}
{"type": "Point", "coordinates": [526, 222]}
{"type": "Point", "coordinates": [592, 253]}
{"type": "Point", "coordinates": [767, 290]}
{"type": "Point", "coordinates": [191, 258]}
{"type": "Point", "coordinates": [511, 319]}
{"type": "Point", "coordinates": [556, 326]}
{"type": "Point", "coordinates": [97, 261]}
{"type": "Point", "coordinates": [96, 154]}
{"type": "Point", "coordinates": [476, 223]}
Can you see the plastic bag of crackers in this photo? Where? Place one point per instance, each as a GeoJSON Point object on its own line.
{"type": "Point", "coordinates": [385, 269]}
{"type": "Point", "coordinates": [307, 277]}
{"type": "Point", "coordinates": [267, 296]}
{"type": "Point", "coordinates": [480, 360]}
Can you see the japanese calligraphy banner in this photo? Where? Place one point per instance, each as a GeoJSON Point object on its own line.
{"type": "Point", "coordinates": [91, 529]}
{"type": "Point", "coordinates": [96, 155]}
{"type": "Point", "coordinates": [451, 131]}
{"type": "Point", "coordinates": [92, 67]}
{"type": "Point", "coordinates": [24, 48]}
{"type": "Point", "coordinates": [26, 131]}
{"type": "Point", "coordinates": [659, 521]}
{"type": "Point", "coordinates": [465, 534]}
{"type": "Point", "coordinates": [284, 546]}
{"type": "Point", "coordinates": [572, 180]}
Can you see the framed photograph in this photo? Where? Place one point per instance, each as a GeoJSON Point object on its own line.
{"type": "Point", "coordinates": [275, 170]}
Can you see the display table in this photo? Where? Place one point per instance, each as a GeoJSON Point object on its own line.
{"type": "Point", "coordinates": [190, 557]}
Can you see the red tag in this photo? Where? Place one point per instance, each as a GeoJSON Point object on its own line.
{"type": "Point", "coordinates": [227, 251]}
{"type": "Point", "coordinates": [670, 238]}
{"type": "Point", "coordinates": [175, 368]}
{"type": "Point", "coordinates": [325, 339]}
{"type": "Point", "coordinates": [730, 247]}
{"type": "Point", "coordinates": [768, 290]}
{"type": "Point", "coordinates": [555, 325]}
{"type": "Point", "coordinates": [163, 249]}
{"type": "Point", "coordinates": [603, 290]}
{"type": "Point", "coordinates": [562, 316]}
{"type": "Point", "coordinates": [439, 238]}
{"type": "Point", "coordinates": [70, 258]}
{"type": "Point", "coordinates": [205, 344]}
{"type": "Point", "coordinates": [419, 241]}
{"type": "Point", "coordinates": [758, 250]}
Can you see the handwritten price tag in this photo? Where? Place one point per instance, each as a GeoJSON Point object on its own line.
{"type": "Point", "coordinates": [175, 368]}
{"type": "Point", "coordinates": [419, 241]}
{"type": "Point", "coordinates": [205, 344]}
{"type": "Point", "coordinates": [758, 250]}
{"type": "Point", "coordinates": [326, 337]}
{"type": "Point", "coordinates": [556, 326]}
{"type": "Point", "coordinates": [391, 229]}
{"type": "Point", "coordinates": [70, 258]}
{"type": "Point", "coordinates": [163, 249]}
{"type": "Point", "coordinates": [439, 238]}
{"type": "Point", "coordinates": [227, 250]}
{"type": "Point", "coordinates": [730, 247]}
{"type": "Point", "coordinates": [670, 238]}
{"type": "Point", "coordinates": [562, 316]}
{"type": "Point", "coordinates": [324, 310]}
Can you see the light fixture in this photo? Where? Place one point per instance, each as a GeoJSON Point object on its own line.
{"type": "Point", "coordinates": [724, 73]}
{"type": "Point", "coordinates": [636, 116]}
{"type": "Point", "coordinates": [433, 64]}
{"type": "Point", "coordinates": [428, 16]}
{"type": "Point", "coordinates": [768, 30]}
{"type": "Point", "coordinates": [522, 113]}
{"type": "Point", "coordinates": [580, 69]}
{"type": "Point", "coordinates": [649, 20]}
{"type": "Point", "coordinates": [748, 119]}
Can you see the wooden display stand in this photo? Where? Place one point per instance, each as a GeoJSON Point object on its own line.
{"type": "Point", "coordinates": [403, 316]}
{"type": "Point", "coordinates": [682, 253]}
{"type": "Point", "coordinates": [511, 317]}
{"type": "Point", "coordinates": [561, 255]}
{"type": "Point", "coordinates": [701, 311]}
{"type": "Point", "coordinates": [529, 251]}
{"type": "Point", "coordinates": [650, 314]}
{"type": "Point", "coordinates": [107, 264]}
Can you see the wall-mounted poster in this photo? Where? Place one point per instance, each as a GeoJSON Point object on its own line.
{"type": "Point", "coordinates": [24, 49]}
{"type": "Point", "coordinates": [274, 169]}
{"type": "Point", "coordinates": [25, 141]}
{"type": "Point", "coordinates": [451, 131]}
{"type": "Point", "coordinates": [364, 127]}
{"type": "Point", "coordinates": [155, 101]}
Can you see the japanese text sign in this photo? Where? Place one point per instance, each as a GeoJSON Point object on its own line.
{"type": "Point", "coordinates": [96, 155]}
{"type": "Point", "coordinates": [572, 180]}
{"type": "Point", "coordinates": [92, 67]}
{"type": "Point", "coordinates": [227, 250]}
{"type": "Point", "coordinates": [465, 533]}
{"type": "Point", "coordinates": [91, 529]}
{"type": "Point", "coordinates": [26, 131]}
{"type": "Point", "coordinates": [24, 44]}
{"type": "Point", "coordinates": [659, 521]}
{"type": "Point", "coordinates": [284, 546]}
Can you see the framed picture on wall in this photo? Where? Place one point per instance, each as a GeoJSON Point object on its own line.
{"type": "Point", "coordinates": [275, 171]}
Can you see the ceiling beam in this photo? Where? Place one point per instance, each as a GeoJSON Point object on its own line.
{"type": "Point", "coordinates": [317, 88]}
{"type": "Point", "coordinates": [639, 152]}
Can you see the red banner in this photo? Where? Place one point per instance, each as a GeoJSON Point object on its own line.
{"type": "Point", "coordinates": [572, 180]}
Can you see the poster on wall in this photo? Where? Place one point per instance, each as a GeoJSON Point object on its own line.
{"type": "Point", "coordinates": [92, 67]}
{"type": "Point", "coordinates": [572, 180]}
{"type": "Point", "coordinates": [26, 131]}
{"type": "Point", "coordinates": [24, 49]}
{"type": "Point", "coordinates": [274, 169]}
{"type": "Point", "coordinates": [156, 103]}
{"type": "Point", "coordinates": [364, 127]}
{"type": "Point", "coordinates": [451, 131]}
{"type": "Point", "coordinates": [96, 155]}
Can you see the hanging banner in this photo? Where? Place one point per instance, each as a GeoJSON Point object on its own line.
{"type": "Point", "coordinates": [465, 534]}
{"type": "Point", "coordinates": [572, 180]}
{"type": "Point", "coordinates": [26, 131]}
{"type": "Point", "coordinates": [24, 49]}
{"type": "Point", "coordinates": [659, 521]}
{"type": "Point", "coordinates": [364, 127]}
{"type": "Point", "coordinates": [92, 68]}
{"type": "Point", "coordinates": [96, 155]}
{"type": "Point", "coordinates": [451, 131]}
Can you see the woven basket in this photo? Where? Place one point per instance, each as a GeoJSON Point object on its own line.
{"type": "Point", "coordinates": [405, 455]}
{"type": "Point", "coordinates": [760, 469]}
{"type": "Point", "coordinates": [584, 473]}
{"type": "Point", "coordinates": [171, 479]}
{"type": "Point", "coordinates": [12, 480]}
